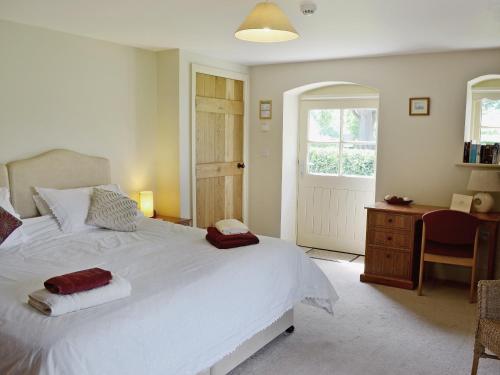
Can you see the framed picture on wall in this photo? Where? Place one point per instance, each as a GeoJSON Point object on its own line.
{"type": "Point", "coordinates": [265, 109]}
{"type": "Point", "coordinates": [420, 106]}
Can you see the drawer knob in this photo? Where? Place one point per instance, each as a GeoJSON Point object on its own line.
{"type": "Point", "coordinates": [388, 256]}
{"type": "Point", "coordinates": [389, 220]}
{"type": "Point", "coordinates": [389, 238]}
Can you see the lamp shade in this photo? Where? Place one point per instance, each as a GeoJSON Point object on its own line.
{"type": "Point", "coordinates": [484, 181]}
{"type": "Point", "coordinates": [146, 203]}
{"type": "Point", "coordinates": [266, 24]}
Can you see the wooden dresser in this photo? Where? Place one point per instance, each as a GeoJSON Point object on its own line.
{"type": "Point", "coordinates": [393, 237]}
{"type": "Point", "coordinates": [390, 245]}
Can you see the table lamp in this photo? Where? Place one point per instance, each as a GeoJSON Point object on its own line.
{"type": "Point", "coordinates": [146, 203]}
{"type": "Point", "coordinates": [483, 182]}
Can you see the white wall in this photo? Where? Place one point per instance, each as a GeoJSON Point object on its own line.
{"type": "Point", "coordinates": [62, 91]}
{"type": "Point", "coordinates": [416, 155]}
{"type": "Point", "coordinates": [167, 200]}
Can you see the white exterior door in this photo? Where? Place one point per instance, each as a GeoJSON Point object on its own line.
{"type": "Point", "coordinates": [337, 160]}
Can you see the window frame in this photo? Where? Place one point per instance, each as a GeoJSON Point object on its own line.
{"type": "Point", "coordinates": [342, 107]}
{"type": "Point", "coordinates": [477, 97]}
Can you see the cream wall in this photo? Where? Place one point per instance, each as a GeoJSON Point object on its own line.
{"type": "Point", "coordinates": [167, 151]}
{"type": "Point", "coordinates": [416, 155]}
{"type": "Point", "coordinates": [62, 91]}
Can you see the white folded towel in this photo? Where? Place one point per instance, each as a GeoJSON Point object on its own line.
{"type": "Point", "coordinates": [231, 226]}
{"type": "Point", "coordinates": [58, 304]}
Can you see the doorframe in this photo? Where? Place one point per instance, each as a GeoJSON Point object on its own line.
{"type": "Point", "coordinates": [305, 104]}
{"type": "Point", "coordinates": [196, 68]}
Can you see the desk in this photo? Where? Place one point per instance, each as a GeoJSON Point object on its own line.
{"type": "Point", "coordinates": [393, 236]}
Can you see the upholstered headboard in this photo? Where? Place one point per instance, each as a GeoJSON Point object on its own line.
{"type": "Point", "coordinates": [4, 179]}
{"type": "Point", "coordinates": [59, 169]}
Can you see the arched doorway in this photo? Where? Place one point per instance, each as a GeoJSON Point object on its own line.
{"type": "Point", "coordinates": [336, 133]}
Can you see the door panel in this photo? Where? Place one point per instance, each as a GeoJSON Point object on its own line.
{"type": "Point", "coordinates": [331, 212]}
{"type": "Point", "coordinates": [219, 149]}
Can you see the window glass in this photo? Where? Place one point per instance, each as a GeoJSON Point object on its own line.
{"type": "Point", "coordinates": [323, 158]}
{"type": "Point", "coordinates": [342, 141]}
{"type": "Point", "coordinates": [358, 159]}
{"type": "Point", "coordinates": [324, 125]}
{"type": "Point", "coordinates": [360, 125]}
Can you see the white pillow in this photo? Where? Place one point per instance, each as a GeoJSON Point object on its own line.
{"type": "Point", "coordinates": [41, 205]}
{"type": "Point", "coordinates": [71, 206]}
{"type": "Point", "coordinates": [5, 202]}
{"type": "Point", "coordinates": [17, 237]}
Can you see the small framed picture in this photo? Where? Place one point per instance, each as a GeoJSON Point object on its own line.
{"type": "Point", "coordinates": [420, 106]}
{"type": "Point", "coordinates": [266, 110]}
{"type": "Point", "coordinates": [461, 202]}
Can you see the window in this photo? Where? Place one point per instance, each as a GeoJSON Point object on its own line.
{"type": "Point", "coordinates": [342, 141]}
{"type": "Point", "coordinates": [489, 119]}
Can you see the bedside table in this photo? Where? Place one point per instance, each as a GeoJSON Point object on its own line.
{"type": "Point", "coordinates": [175, 220]}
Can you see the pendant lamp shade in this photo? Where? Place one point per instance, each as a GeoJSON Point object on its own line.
{"type": "Point", "coordinates": [266, 24]}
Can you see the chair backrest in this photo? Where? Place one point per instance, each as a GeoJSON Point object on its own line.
{"type": "Point", "coordinates": [450, 227]}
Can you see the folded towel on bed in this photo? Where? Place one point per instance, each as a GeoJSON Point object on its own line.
{"type": "Point", "coordinates": [56, 304]}
{"type": "Point", "coordinates": [78, 281]}
{"type": "Point", "coordinates": [228, 241]}
{"type": "Point", "coordinates": [231, 226]}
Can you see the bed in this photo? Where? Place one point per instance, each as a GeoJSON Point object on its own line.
{"type": "Point", "coordinates": [194, 309]}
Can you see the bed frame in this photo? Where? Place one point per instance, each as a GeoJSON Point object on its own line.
{"type": "Point", "coordinates": [64, 169]}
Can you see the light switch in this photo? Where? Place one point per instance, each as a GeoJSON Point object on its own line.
{"type": "Point", "coordinates": [264, 153]}
{"type": "Point", "coordinates": [265, 126]}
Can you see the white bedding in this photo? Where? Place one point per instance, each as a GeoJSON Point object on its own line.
{"type": "Point", "coordinates": [191, 303]}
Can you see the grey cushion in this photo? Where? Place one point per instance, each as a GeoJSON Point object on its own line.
{"type": "Point", "coordinates": [112, 210]}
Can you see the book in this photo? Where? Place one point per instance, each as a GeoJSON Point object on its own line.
{"type": "Point", "coordinates": [466, 152]}
{"type": "Point", "coordinates": [472, 153]}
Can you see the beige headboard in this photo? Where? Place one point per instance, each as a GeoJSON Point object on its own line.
{"type": "Point", "coordinates": [58, 169]}
{"type": "Point", "coordinates": [4, 179]}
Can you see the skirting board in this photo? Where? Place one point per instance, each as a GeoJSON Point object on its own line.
{"type": "Point", "coordinates": [251, 346]}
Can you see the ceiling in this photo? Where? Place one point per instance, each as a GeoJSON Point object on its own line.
{"type": "Point", "coordinates": [339, 29]}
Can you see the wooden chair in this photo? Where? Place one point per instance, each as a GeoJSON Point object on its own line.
{"type": "Point", "coordinates": [449, 237]}
{"type": "Point", "coordinates": [488, 322]}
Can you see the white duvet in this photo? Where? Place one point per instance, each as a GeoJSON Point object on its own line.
{"type": "Point", "coordinates": [191, 303]}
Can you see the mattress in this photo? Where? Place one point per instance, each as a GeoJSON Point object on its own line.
{"type": "Point", "coordinates": [191, 304]}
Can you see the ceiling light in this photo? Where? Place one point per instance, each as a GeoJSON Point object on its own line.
{"type": "Point", "coordinates": [266, 24]}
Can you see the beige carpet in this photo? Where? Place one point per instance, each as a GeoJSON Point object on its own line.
{"type": "Point", "coordinates": [376, 330]}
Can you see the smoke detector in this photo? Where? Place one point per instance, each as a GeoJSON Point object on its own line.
{"type": "Point", "coordinates": [308, 8]}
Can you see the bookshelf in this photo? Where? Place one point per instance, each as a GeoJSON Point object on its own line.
{"type": "Point", "coordinates": [478, 165]}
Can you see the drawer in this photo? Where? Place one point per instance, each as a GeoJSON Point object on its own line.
{"type": "Point", "coordinates": [388, 238]}
{"type": "Point", "coordinates": [388, 220]}
{"type": "Point", "coordinates": [386, 262]}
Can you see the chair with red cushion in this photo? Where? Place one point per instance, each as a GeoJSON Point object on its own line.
{"type": "Point", "coordinates": [449, 237]}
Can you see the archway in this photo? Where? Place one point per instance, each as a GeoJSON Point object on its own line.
{"type": "Point", "coordinates": [325, 91]}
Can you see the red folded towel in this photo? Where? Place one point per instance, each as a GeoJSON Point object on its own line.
{"type": "Point", "coordinates": [78, 281]}
{"type": "Point", "coordinates": [228, 241]}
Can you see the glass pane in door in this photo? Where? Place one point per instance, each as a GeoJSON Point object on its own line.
{"type": "Point", "coordinates": [324, 125]}
{"type": "Point", "coordinates": [323, 158]}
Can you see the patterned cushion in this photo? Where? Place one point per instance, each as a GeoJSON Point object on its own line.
{"type": "Point", "coordinates": [8, 224]}
{"type": "Point", "coordinates": [112, 210]}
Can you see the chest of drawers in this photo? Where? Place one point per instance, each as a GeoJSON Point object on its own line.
{"type": "Point", "coordinates": [390, 249]}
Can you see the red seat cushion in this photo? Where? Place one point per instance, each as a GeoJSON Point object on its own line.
{"type": "Point", "coordinates": [459, 251]}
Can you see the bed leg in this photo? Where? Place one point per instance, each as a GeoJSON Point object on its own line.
{"type": "Point", "coordinates": [290, 330]}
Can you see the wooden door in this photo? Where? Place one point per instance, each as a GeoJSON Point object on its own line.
{"type": "Point", "coordinates": [219, 149]}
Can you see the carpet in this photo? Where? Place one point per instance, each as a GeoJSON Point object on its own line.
{"type": "Point", "coordinates": [376, 330]}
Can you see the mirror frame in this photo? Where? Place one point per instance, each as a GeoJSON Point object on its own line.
{"type": "Point", "coordinates": [468, 105]}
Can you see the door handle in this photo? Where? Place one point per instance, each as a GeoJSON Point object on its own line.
{"type": "Point", "coordinates": [241, 165]}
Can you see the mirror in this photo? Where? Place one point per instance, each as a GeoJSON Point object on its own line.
{"type": "Point", "coordinates": [482, 114]}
